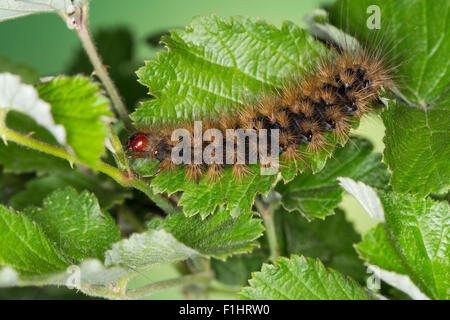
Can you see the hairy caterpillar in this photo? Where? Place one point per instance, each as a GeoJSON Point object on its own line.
{"type": "Point", "coordinates": [341, 88]}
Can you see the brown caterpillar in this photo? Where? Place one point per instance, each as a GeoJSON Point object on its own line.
{"type": "Point", "coordinates": [339, 89]}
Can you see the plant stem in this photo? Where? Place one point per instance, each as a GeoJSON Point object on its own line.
{"type": "Point", "coordinates": [117, 150]}
{"type": "Point", "coordinates": [123, 178]}
{"type": "Point", "coordinates": [267, 213]}
{"type": "Point", "coordinates": [201, 277]}
{"type": "Point", "coordinates": [81, 27]}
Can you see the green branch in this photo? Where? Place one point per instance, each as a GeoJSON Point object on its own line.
{"type": "Point", "coordinates": [120, 292]}
{"type": "Point", "coordinates": [81, 27]}
{"type": "Point", "coordinates": [125, 179]}
{"type": "Point", "coordinates": [267, 213]}
{"type": "Point", "coordinates": [117, 150]}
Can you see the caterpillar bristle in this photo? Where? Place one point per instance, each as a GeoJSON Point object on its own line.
{"type": "Point", "coordinates": [308, 88]}
{"type": "Point", "coordinates": [167, 164]}
{"type": "Point", "coordinates": [248, 118]}
{"type": "Point", "coordinates": [240, 171]}
{"type": "Point", "coordinates": [214, 173]}
{"type": "Point", "coordinates": [227, 122]}
{"type": "Point", "coordinates": [341, 87]}
{"type": "Point", "coordinates": [268, 108]}
{"type": "Point", "coordinates": [289, 94]}
{"type": "Point", "coordinates": [282, 118]}
{"type": "Point", "coordinates": [194, 172]}
{"type": "Point", "coordinates": [292, 154]}
{"type": "Point", "coordinates": [339, 123]}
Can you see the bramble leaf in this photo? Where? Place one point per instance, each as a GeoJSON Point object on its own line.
{"type": "Point", "coordinates": [316, 195]}
{"type": "Point", "coordinates": [90, 276]}
{"type": "Point", "coordinates": [78, 105]}
{"type": "Point", "coordinates": [143, 251]}
{"type": "Point", "coordinates": [366, 196]}
{"type": "Point", "coordinates": [203, 198]}
{"type": "Point", "coordinates": [300, 278]}
{"type": "Point", "coordinates": [76, 224]}
{"type": "Point", "coordinates": [330, 240]}
{"type": "Point", "coordinates": [177, 238]}
{"type": "Point", "coordinates": [414, 241]}
{"type": "Point", "coordinates": [14, 95]}
{"type": "Point", "coordinates": [215, 66]}
{"type": "Point", "coordinates": [417, 124]}
{"type": "Point", "coordinates": [218, 236]}
{"type": "Point", "coordinates": [19, 8]}
{"type": "Point", "coordinates": [24, 246]}
{"type": "Point", "coordinates": [418, 147]}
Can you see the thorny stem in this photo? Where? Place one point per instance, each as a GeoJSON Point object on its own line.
{"type": "Point", "coordinates": [267, 213]}
{"type": "Point", "coordinates": [123, 178]}
{"type": "Point", "coordinates": [80, 24]}
{"type": "Point", "coordinates": [117, 150]}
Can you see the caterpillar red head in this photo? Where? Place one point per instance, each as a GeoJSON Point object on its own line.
{"type": "Point", "coordinates": [148, 145]}
{"type": "Point", "coordinates": [137, 142]}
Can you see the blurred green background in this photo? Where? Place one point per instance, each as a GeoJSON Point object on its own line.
{"type": "Point", "coordinates": [47, 45]}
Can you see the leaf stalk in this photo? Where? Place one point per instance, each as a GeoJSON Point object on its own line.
{"type": "Point", "coordinates": [123, 178]}
{"type": "Point", "coordinates": [267, 213]}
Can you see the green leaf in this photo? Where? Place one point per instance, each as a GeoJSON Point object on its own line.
{"type": "Point", "coordinates": [203, 198]}
{"type": "Point", "coordinates": [300, 278]}
{"type": "Point", "coordinates": [177, 238]}
{"type": "Point", "coordinates": [78, 105]}
{"type": "Point", "coordinates": [376, 249]}
{"type": "Point", "coordinates": [419, 231]}
{"type": "Point", "coordinates": [24, 246]}
{"type": "Point", "coordinates": [91, 277]}
{"type": "Point", "coordinates": [19, 8]}
{"type": "Point", "coordinates": [15, 95]}
{"type": "Point", "coordinates": [418, 148]}
{"type": "Point", "coordinates": [417, 135]}
{"type": "Point", "coordinates": [331, 241]}
{"type": "Point", "coordinates": [144, 167]}
{"type": "Point", "coordinates": [215, 66]}
{"type": "Point", "coordinates": [143, 251]}
{"type": "Point", "coordinates": [65, 212]}
{"type": "Point", "coordinates": [413, 241]}
{"type": "Point", "coordinates": [218, 236]}
{"type": "Point", "coordinates": [316, 195]}
{"type": "Point", "coordinates": [76, 224]}
{"type": "Point", "coordinates": [18, 159]}
{"type": "Point", "coordinates": [107, 193]}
